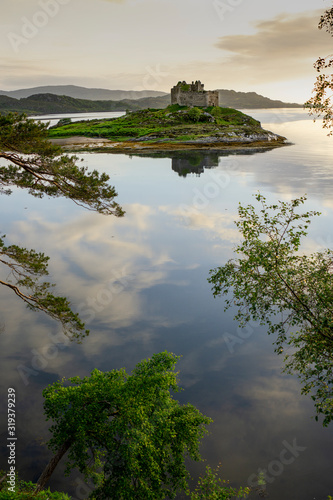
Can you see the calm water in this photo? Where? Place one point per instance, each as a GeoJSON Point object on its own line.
{"type": "Point", "coordinates": [54, 118]}
{"type": "Point", "coordinates": [140, 282]}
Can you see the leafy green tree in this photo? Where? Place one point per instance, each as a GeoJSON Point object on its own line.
{"type": "Point", "coordinates": [27, 268]}
{"type": "Point", "coordinates": [24, 490]}
{"type": "Point", "coordinates": [212, 487]}
{"type": "Point", "coordinates": [34, 163]}
{"type": "Point", "coordinates": [194, 114]}
{"type": "Point", "coordinates": [126, 432]}
{"type": "Point", "coordinates": [321, 102]}
{"type": "Point", "coordinates": [273, 283]}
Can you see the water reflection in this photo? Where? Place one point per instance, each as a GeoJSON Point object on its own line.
{"type": "Point", "coordinates": [141, 282]}
{"type": "Point", "coordinates": [292, 171]}
{"type": "Point", "coordinates": [196, 161]}
{"type": "Point", "coordinates": [32, 163]}
{"type": "Point", "coordinates": [24, 271]}
{"type": "Point", "coordinates": [305, 166]}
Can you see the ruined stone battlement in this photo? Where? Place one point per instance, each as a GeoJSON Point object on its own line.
{"type": "Point", "coordinates": [193, 94]}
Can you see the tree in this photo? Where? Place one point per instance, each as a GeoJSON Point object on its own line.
{"type": "Point", "coordinates": [271, 282]}
{"type": "Point", "coordinates": [34, 163]}
{"type": "Point", "coordinates": [126, 432]}
{"type": "Point", "coordinates": [321, 103]}
{"type": "Point", "coordinates": [212, 487]}
{"type": "Point", "coordinates": [24, 490]}
{"type": "Point", "coordinates": [26, 271]}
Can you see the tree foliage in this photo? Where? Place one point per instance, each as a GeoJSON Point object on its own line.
{"type": "Point", "coordinates": [212, 487]}
{"type": "Point", "coordinates": [34, 163]}
{"type": "Point", "coordinates": [25, 270]}
{"type": "Point", "coordinates": [291, 293]}
{"type": "Point", "coordinates": [24, 490]}
{"type": "Point", "coordinates": [126, 432]}
{"type": "Point", "coordinates": [321, 103]}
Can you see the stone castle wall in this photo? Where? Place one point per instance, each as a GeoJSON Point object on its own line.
{"type": "Point", "coordinates": [194, 95]}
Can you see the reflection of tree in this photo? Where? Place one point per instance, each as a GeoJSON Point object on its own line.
{"type": "Point", "coordinates": [42, 168]}
{"type": "Point", "coordinates": [26, 271]}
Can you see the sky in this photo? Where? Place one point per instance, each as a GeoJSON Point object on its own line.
{"type": "Point", "coordinates": [261, 46]}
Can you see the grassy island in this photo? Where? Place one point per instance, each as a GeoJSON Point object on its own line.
{"type": "Point", "coordinates": [174, 126]}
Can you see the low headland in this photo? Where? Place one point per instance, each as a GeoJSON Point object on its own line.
{"type": "Point", "coordinates": [173, 128]}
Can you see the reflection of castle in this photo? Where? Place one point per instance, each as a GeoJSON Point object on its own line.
{"type": "Point", "coordinates": [194, 162]}
{"type": "Point", "coordinates": [186, 94]}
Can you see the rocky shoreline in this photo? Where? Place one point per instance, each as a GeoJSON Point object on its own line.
{"type": "Point", "coordinates": [232, 141]}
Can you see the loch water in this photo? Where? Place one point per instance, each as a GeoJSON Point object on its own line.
{"type": "Point", "coordinates": [140, 283]}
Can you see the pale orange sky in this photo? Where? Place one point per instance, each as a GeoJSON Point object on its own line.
{"type": "Point", "coordinates": [246, 45]}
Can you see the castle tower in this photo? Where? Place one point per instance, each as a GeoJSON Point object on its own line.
{"type": "Point", "coordinates": [193, 94]}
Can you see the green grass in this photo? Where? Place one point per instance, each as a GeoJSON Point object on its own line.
{"type": "Point", "coordinates": [187, 137]}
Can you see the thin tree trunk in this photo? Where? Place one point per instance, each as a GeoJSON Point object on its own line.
{"type": "Point", "coordinates": [48, 471]}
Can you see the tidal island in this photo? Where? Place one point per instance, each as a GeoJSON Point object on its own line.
{"type": "Point", "coordinates": [194, 120]}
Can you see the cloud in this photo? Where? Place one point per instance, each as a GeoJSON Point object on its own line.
{"type": "Point", "coordinates": [284, 47]}
{"type": "Point", "coordinates": [219, 226]}
{"type": "Point", "coordinates": [106, 286]}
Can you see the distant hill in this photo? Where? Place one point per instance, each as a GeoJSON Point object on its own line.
{"type": "Point", "coordinates": [83, 93]}
{"type": "Point", "coordinates": [50, 103]}
{"type": "Point", "coordinates": [247, 100]}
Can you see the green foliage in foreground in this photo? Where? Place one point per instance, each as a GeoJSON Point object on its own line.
{"type": "Point", "coordinates": [271, 282]}
{"type": "Point", "coordinates": [212, 487]}
{"type": "Point", "coordinates": [172, 122]}
{"type": "Point", "coordinates": [126, 432]}
{"type": "Point", "coordinates": [25, 491]}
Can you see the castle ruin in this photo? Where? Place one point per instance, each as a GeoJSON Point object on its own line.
{"type": "Point", "coordinates": [193, 94]}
